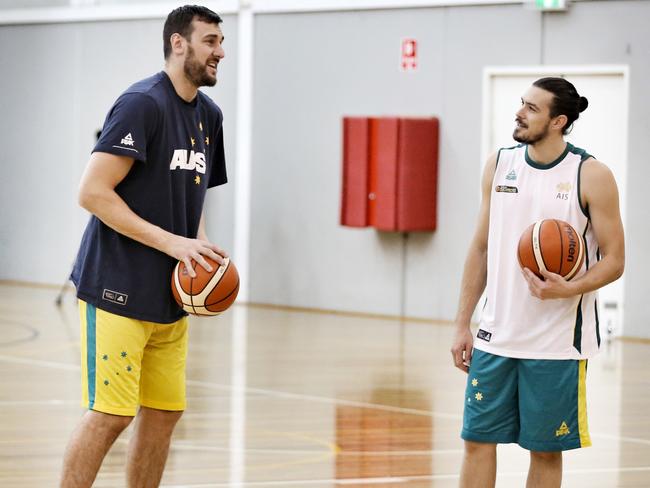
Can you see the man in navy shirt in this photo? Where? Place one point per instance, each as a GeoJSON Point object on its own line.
{"type": "Point", "coordinates": [160, 148]}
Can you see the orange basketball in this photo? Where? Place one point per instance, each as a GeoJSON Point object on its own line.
{"type": "Point", "coordinates": [209, 293]}
{"type": "Point", "coordinates": [553, 245]}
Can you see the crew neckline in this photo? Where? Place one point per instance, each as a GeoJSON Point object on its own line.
{"type": "Point", "coordinates": [191, 103]}
{"type": "Point", "coordinates": [536, 165]}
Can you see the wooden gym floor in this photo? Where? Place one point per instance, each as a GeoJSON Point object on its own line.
{"type": "Point", "coordinates": [280, 398]}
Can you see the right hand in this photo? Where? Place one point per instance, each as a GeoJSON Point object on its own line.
{"type": "Point", "coordinates": [461, 350]}
{"type": "Point", "coordinates": [186, 249]}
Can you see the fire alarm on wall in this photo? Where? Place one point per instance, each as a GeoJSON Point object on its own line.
{"type": "Point", "coordinates": [409, 58]}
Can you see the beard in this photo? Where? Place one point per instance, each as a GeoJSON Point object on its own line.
{"type": "Point", "coordinates": [196, 72]}
{"type": "Point", "coordinates": [530, 138]}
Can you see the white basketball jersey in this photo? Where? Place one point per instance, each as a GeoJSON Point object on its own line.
{"type": "Point", "coordinates": [513, 322]}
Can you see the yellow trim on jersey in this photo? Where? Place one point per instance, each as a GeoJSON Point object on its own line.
{"type": "Point", "coordinates": [583, 427]}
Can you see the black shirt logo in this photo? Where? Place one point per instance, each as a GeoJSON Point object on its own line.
{"type": "Point", "coordinates": [115, 297]}
{"type": "Point", "coordinates": [484, 334]}
{"type": "Point", "coordinates": [506, 189]}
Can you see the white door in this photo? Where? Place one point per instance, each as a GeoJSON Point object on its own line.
{"type": "Point", "coordinates": [601, 130]}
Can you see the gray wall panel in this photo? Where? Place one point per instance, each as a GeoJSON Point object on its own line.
{"type": "Point", "coordinates": [435, 263]}
{"type": "Point", "coordinates": [39, 141]}
{"type": "Point", "coordinates": [219, 204]}
{"type": "Point", "coordinates": [311, 70]}
{"type": "Point", "coordinates": [625, 41]}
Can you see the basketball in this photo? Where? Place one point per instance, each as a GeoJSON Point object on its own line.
{"type": "Point", "coordinates": [210, 293]}
{"type": "Point", "coordinates": [553, 245]}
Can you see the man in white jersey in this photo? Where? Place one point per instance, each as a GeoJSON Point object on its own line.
{"type": "Point", "coordinates": [527, 363]}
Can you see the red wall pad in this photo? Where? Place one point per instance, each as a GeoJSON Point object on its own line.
{"type": "Point", "coordinates": [354, 194]}
{"type": "Point", "coordinates": [417, 178]}
{"type": "Point", "coordinates": [383, 173]}
{"type": "Point", "coordinates": [390, 173]}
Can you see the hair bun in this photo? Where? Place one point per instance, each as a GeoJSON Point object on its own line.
{"type": "Point", "coordinates": [584, 103]}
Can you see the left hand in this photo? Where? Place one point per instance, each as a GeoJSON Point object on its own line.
{"type": "Point", "coordinates": [553, 286]}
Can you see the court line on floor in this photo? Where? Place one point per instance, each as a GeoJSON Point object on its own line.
{"type": "Point", "coordinates": [32, 333]}
{"type": "Point", "coordinates": [328, 400]}
{"type": "Point", "coordinates": [187, 446]}
{"type": "Point", "coordinates": [39, 362]}
{"type": "Point", "coordinates": [397, 479]}
{"type": "Point", "coordinates": [35, 403]}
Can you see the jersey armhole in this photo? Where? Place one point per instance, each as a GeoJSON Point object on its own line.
{"type": "Point", "coordinates": [583, 207]}
{"type": "Point", "coordinates": [496, 165]}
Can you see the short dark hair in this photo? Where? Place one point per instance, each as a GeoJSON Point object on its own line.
{"type": "Point", "coordinates": [566, 100]}
{"type": "Point", "coordinates": [180, 20]}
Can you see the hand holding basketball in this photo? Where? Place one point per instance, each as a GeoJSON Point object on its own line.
{"type": "Point", "coordinates": [208, 292]}
{"type": "Point", "coordinates": [550, 253]}
{"type": "Point", "coordinates": [553, 285]}
{"type": "Point", "coordinates": [186, 249]}
{"type": "Point", "coordinates": [551, 245]}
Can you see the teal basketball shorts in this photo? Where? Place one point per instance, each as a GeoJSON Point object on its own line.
{"type": "Point", "coordinates": [539, 404]}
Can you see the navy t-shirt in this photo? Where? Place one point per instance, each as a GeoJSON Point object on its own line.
{"type": "Point", "coordinates": [179, 154]}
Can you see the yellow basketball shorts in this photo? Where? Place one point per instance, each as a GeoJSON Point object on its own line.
{"type": "Point", "coordinates": [127, 362]}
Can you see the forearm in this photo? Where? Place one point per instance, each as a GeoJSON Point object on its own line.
{"type": "Point", "coordinates": [472, 286]}
{"type": "Point", "coordinates": [608, 269]}
{"type": "Point", "coordinates": [113, 211]}
{"type": "Point", "coordinates": [201, 234]}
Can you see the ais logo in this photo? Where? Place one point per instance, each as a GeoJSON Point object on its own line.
{"type": "Point", "coordinates": [192, 161]}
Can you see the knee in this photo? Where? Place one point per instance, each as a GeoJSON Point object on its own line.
{"type": "Point", "coordinates": [161, 418]}
{"type": "Point", "coordinates": [111, 424]}
{"type": "Point", "coordinates": [172, 418]}
{"type": "Point", "coordinates": [480, 449]}
{"type": "Point", "coordinates": [546, 457]}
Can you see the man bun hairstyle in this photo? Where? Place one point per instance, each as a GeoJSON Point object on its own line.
{"type": "Point", "coordinates": [180, 20]}
{"type": "Point", "coordinates": [566, 100]}
{"type": "Point", "coordinates": [584, 103]}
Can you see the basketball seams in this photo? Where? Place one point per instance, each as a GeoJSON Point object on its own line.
{"type": "Point", "coordinates": [559, 231]}
{"type": "Point", "coordinates": [213, 282]}
{"type": "Point", "coordinates": [521, 262]}
{"type": "Point", "coordinates": [213, 263]}
{"type": "Point", "coordinates": [179, 289]}
{"type": "Point", "coordinates": [579, 259]}
{"type": "Point", "coordinates": [537, 247]}
{"type": "Point", "coordinates": [194, 265]}
{"type": "Point", "coordinates": [235, 289]}
{"type": "Point", "coordinates": [526, 253]}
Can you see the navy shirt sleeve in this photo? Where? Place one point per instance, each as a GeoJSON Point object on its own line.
{"type": "Point", "coordinates": [218, 172]}
{"type": "Point", "coordinates": [129, 126]}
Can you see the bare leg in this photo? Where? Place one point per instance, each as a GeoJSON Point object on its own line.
{"type": "Point", "coordinates": [149, 447]}
{"type": "Point", "coordinates": [90, 442]}
{"type": "Point", "coordinates": [545, 470]}
{"type": "Point", "coordinates": [479, 465]}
